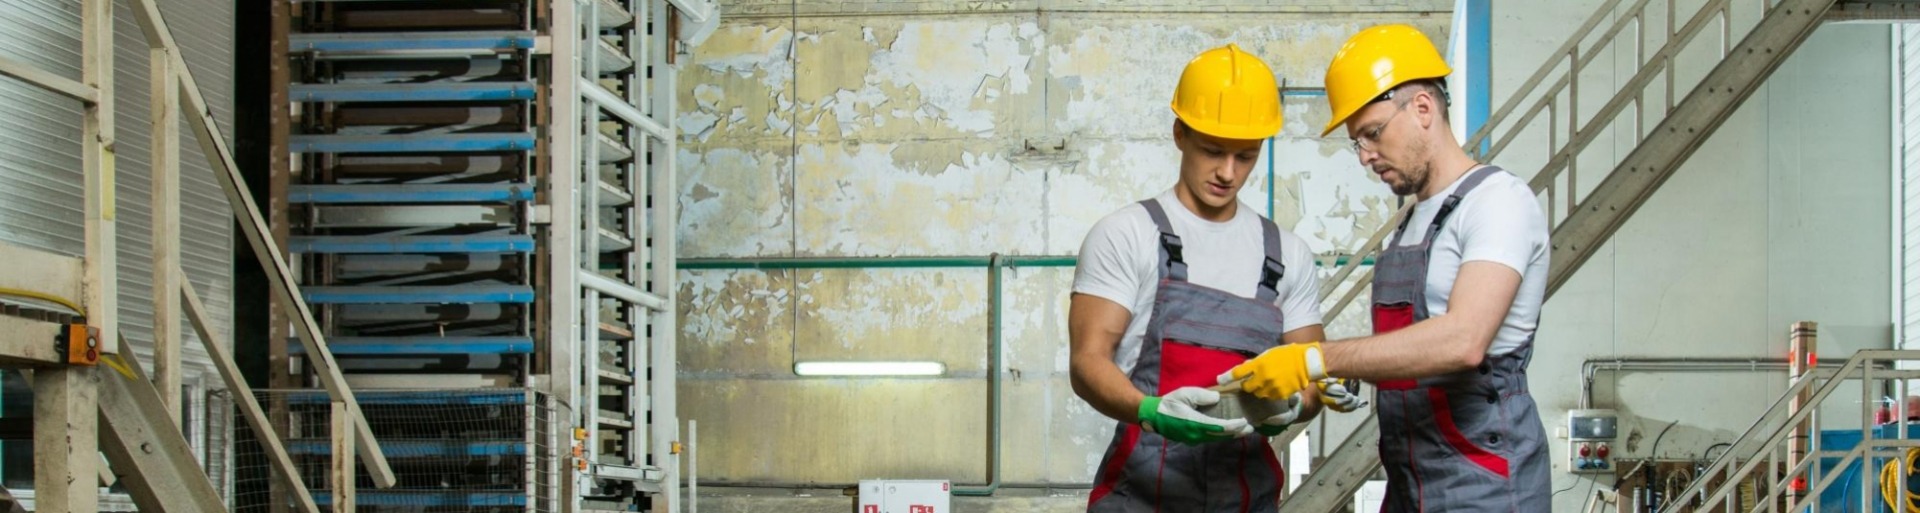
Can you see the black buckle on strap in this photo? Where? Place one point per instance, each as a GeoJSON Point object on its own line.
{"type": "Point", "coordinates": [1171, 243]}
{"type": "Point", "coordinates": [1271, 273]}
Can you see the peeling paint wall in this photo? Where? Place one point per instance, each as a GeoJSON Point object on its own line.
{"type": "Point", "coordinates": [899, 128]}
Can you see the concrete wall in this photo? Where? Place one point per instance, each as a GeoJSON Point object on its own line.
{"type": "Point", "coordinates": [841, 129]}
{"type": "Point", "coordinates": [838, 129]}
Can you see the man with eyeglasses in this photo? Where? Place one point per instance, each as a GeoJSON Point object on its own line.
{"type": "Point", "coordinates": [1456, 296]}
{"type": "Point", "coordinates": [1171, 291]}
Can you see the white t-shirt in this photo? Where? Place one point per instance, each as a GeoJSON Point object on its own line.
{"type": "Point", "coordinates": [1120, 259]}
{"type": "Point", "coordinates": [1498, 222]}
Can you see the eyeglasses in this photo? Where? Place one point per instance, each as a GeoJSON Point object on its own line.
{"type": "Point", "coordinates": [1369, 138]}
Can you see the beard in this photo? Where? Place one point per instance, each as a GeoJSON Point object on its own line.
{"type": "Point", "coordinates": [1414, 179]}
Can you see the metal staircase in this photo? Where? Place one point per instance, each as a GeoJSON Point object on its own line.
{"type": "Point", "coordinates": [474, 194]}
{"type": "Point", "coordinates": [1767, 468]}
{"type": "Point", "coordinates": [1668, 113]}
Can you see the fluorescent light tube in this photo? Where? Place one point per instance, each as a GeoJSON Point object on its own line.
{"type": "Point", "coordinates": [869, 368]}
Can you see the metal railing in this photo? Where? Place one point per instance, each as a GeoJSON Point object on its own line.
{"type": "Point", "coordinates": [1765, 445]}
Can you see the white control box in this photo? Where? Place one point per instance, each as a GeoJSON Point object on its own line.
{"type": "Point", "coordinates": [905, 496]}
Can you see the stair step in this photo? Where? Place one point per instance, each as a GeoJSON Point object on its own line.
{"type": "Point", "coordinates": [410, 193]}
{"type": "Point", "coordinates": [611, 241]}
{"type": "Point", "coordinates": [425, 498]}
{"type": "Point", "coordinates": [419, 92]}
{"type": "Point", "coordinates": [413, 42]}
{"type": "Point", "coordinates": [611, 419]}
{"type": "Point", "coordinates": [612, 150]}
{"type": "Point", "coordinates": [612, 15]}
{"type": "Point", "coordinates": [365, 346]}
{"type": "Point", "coordinates": [449, 294]}
{"type": "Point", "coordinates": [412, 143]}
{"type": "Point", "coordinates": [612, 60]}
{"type": "Point", "coordinates": [419, 398]}
{"type": "Point", "coordinates": [418, 448]}
{"type": "Point", "coordinates": [411, 244]}
{"type": "Point", "coordinates": [613, 196]}
{"type": "Point", "coordinates": [609, 331]}
{"type": "Point", "coordinates": [615, 377]}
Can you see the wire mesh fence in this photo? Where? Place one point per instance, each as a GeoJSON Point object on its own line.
{"type": "Point", "coordinates": [464, 450]}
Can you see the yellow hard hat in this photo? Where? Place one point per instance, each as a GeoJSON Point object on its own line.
{"type": "Point", "coordinates": [1375, 61]}
{"type": "Point", "coordinates": [1227, 92]}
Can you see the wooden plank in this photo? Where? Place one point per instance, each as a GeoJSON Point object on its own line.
{"type": "Point", "coordinates": [66, 439]}
{"type": "Point", "coordinates": [254, 226]}
{"type": "Point", "coordinates": [42, 272]}
{"type": "Point", "coordinates": [34, 75]}
{"type": "Point", "coordinates": [29, 342]}
{"type": "Point", "coordinates": [97, 146]}
{"type": "Point", "coordinates": [249, 405]}
{"type": "Point", "coordinates": [341, 473]}
{"type": "Point", "coordinates": [166, 227]}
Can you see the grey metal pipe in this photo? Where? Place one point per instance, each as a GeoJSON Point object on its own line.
{"type": "Point", "coordinates": [1592, 366]}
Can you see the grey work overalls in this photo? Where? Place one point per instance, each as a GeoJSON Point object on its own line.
{"type": "Point", "coordinates": [1465, 441]}
{"type": "Point", "coordinates": [1195, 333]}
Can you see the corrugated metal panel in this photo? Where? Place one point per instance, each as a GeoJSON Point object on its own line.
{"type": "Point", "coordinates": [1909, 236]}
{"type": "Point", "coordinates": [40, 180]}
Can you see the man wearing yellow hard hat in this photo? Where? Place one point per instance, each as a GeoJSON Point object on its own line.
{"type": "Point", "coordinates": [1456, 296]}
{"type": "Point", "coordinates": [1173, 290]}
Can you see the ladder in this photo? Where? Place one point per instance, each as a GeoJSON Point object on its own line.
{"type": "Point", "coordinates": [1671, 115]}
{"type": "Point", "coordinates": [475, 194]}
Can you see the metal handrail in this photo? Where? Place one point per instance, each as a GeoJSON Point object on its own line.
{"type": "Point", "coordinates": [1750, 447]}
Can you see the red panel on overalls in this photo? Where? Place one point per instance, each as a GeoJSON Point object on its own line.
{"type": "Point", "coordinates": [1466, 441]}
{"type": "Point", "coordinates": [1200, 333]}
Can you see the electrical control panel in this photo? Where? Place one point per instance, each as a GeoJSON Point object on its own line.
{"type": "Point", "coordinates": [1591, 435]}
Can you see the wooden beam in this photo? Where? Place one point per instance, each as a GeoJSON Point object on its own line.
{"type": "Point", "coordinates": [34, 75]}
{"type": "Point", "coordinates": [342, 471]}
{"type": "Point", "coordinates": [165, 115]}
{"type": "Point", "coordinates": [253, 225]}
{"type": "Point", "coordinates": [97, 147]}
{"type": "Point", "coordinates": [66, 454]}
{"type": "Point", "coordinates": [243, 396]}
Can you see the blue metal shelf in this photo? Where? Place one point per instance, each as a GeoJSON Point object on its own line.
{"type": "Point", "coordinates": [452, 294]}
{"type": "Point", "coordinates": [426, 92]}
{"type": "Point", "coordinates": [410, 193]}
{"type": "Point", "coordinates": [419, 448]}
{"type": "Point", "coordinates": [378, 346]}
{"type": "Point", "coordinates": [425, 498]}
{"type": "Point", "coordinates": [498, 397]}
{"type": "Point", "coordinates": [412, 244]}
{"type": "Point", "coordinates": [412, 143]}
{"type": "Point", "coordinates": [503, 40]}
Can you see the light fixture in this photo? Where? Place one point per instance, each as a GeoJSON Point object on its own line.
{"type": "Point", "coordinates": [869, 368]}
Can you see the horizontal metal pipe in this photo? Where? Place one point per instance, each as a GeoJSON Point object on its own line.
{"type": "Point", "coordinates": [1592, 366]}
{"type": "Point", "coordinates": [625, 292]}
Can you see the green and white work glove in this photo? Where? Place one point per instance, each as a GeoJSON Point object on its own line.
{"type": "Point", "coordinates": [1271, 417]}
{"type": "Point", "coordinates": [1177, 417]}
{"type": "Point", "coordinates": [1341, 395]}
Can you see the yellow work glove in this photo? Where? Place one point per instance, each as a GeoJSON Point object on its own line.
{"type": "Point", "coordinates": [1280, 372]}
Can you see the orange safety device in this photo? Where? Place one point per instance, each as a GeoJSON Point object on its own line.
{"type": "Point", "coordinates": [1375, 61]}
{"type": "Point", "coordinates": [79, 344]}
{"type": "Point", "coordinates": [1226, 92]}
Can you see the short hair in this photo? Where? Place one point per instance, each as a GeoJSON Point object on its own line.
{"type": "Point", "coordinates": [1437, 88]}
